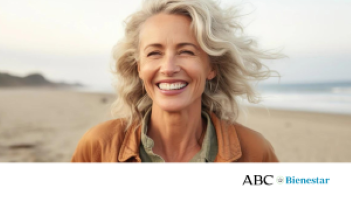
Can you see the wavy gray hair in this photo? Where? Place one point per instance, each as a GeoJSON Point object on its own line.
{"type": "Point", "coordinates": [234, 56]}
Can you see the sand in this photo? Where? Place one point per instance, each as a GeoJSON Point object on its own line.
{"type": "Point", "coordinates": [303, 136]}
{"type": "Point", "coordinates": [45, 125]}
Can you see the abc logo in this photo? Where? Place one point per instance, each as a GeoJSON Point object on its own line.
{"type": "Point", "coordinates": [258, 180]}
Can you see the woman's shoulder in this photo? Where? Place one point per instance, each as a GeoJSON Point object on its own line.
{"type": "Point", "coordinates": [247, 134]}
{"type": "Point", "coordinates": [99, 141]}
{"type": "Point", "coordinates": [106, 130]}
{"type": "Point", "coordinates": [240, 143]}
{"type": "Point", "coordinates": [254, 146]}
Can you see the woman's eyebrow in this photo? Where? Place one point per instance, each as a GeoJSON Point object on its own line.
{"type": "Point", "coordinates": [153, 45]}
{"type": "Point", "coordinates": [158, 45]}
{"type": "Point", "coordinates": [187, 44]}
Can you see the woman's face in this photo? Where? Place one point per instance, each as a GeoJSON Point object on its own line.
{"type": "Point", "coordinates": [172, 65]}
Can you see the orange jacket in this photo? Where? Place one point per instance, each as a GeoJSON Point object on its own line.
{"type": "Point", "coordinates": [108, 142]}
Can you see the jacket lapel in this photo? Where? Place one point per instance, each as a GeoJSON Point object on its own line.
{"type": "Point", "coordinates": [229, 149]}
{"type": "Point", "coordinates": [130, 147]}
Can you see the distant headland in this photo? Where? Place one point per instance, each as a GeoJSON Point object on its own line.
{"type": "Point", "coordinates": [31, 80]}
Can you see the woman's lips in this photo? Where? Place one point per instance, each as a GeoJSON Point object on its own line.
{"type": "Point", "coordinates": [172, 90]}
{"type": "Point", "coordinates": [172, 86]}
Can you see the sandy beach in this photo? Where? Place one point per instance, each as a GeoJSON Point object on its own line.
{"type": "Point", "coordinates": [303, 136]}
{"type": "Point", "coordinates": [45, 125]}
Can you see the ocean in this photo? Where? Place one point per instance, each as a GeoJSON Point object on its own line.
{"type": "Point", "coordinates": [317, 97]}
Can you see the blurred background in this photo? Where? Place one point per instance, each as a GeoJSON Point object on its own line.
{"type": "Point", "coordinates": [55, 84]}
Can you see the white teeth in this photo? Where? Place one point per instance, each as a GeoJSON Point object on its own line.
{"type": "Point", "coordinates": [171, 86]}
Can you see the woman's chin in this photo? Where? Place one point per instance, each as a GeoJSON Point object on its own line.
{"type": "Point", "coordinates": [171, 106]}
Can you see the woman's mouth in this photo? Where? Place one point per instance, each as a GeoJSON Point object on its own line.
{"type": "Point", "coordinates": [172, 86]}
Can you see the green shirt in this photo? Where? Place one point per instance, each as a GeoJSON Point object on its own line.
{"type": "Point", "coordinates": [207, 153]}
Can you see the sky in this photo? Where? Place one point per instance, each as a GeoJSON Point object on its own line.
{"type": "Point", "coordinates": [71, 40]}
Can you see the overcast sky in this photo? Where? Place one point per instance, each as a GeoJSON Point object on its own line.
{"type": "Point", "coordinates": [72, 40]}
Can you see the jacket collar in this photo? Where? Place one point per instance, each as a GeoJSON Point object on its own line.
{"type": "Point", "coordinates": [130, 145]}
{"type": "Point", "coordinates": [229, 149]}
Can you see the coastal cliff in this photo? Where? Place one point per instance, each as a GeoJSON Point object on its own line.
{"type": "Point", "coordinates": [31, 80]}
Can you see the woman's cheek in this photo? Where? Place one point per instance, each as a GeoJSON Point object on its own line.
{"type": "Point", "coordinates": [148, 73]}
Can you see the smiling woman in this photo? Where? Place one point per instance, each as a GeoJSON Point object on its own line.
{"type": "Point", "coordinates": [170, 57]}
{"type": "Point", "coordinates": [179, 70]}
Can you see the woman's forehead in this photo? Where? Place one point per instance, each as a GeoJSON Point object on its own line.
{"type": "Point", "coordinates": [166, 29]}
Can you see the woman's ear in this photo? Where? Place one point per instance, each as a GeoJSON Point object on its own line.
{"type": "Point", "coordinates": [211, 74]}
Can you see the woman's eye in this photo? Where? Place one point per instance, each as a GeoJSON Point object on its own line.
{"type": "Point", "coordinates": [153, 53]}
{"type": "Point", "coordinates": [187, 52]}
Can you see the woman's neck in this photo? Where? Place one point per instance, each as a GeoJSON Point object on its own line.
{"type": "Point", "coordinates": [177, 135]}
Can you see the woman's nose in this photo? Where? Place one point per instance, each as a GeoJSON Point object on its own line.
{"type": "Point", "coordinates": [169, 66]}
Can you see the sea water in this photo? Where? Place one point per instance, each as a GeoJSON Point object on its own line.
{"type": "Point", "coordinates": [318, 97]}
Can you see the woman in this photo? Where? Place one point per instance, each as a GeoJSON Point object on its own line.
{"type": "Point", "coordinates": [180, 68]}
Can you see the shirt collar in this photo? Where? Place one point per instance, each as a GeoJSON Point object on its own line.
{"type": "Point", "coordinates": [209, 147]}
